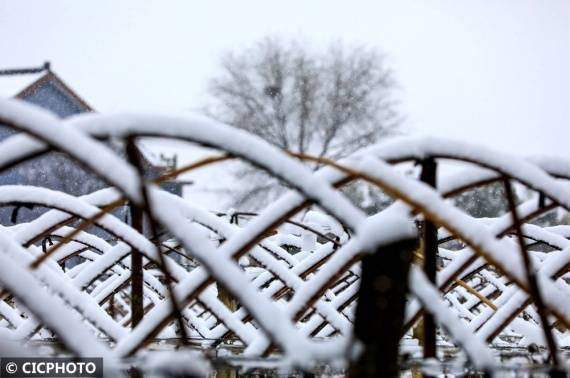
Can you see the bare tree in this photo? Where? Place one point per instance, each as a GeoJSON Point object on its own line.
{"type": "Point", "coordinates": [327, 104]}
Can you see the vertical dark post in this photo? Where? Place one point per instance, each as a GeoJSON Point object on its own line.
{"type": "Point", "coordinates": [430, 249]}
{"type": "Point", "coordinates": [224, 295]}
{"type": "Point", "coordinates": [535, 293]}
{"type": "Point", "coordinates": [380, 311]}
{"type": "Point", "coordinates": [137, 223]}
{"type": "Point", "coordinates": [112, 306]}
{"type": "Point", "coordinates": [137, 310]}
{"type": "Point", "coordinates": [135, 158]}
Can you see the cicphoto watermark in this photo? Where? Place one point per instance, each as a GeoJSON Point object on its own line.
{"type": "Point", "coordinates": [51, 367]}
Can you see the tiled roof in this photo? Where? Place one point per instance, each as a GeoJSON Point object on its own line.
{"type": "Point", "coordinates": [23, 82]}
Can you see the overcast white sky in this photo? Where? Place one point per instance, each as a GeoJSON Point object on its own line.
{"type": "Point", "coordinates": [493, 72]}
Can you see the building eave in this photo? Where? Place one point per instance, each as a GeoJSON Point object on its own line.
{"type": "Point", "coordinates": [51, 77]}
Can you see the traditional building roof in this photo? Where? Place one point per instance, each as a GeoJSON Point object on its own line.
{"type": "Point", "coordinates": [41, 86]}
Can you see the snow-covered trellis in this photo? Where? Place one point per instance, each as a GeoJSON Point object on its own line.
{"type": "Point", "coordinates": [493, 287]}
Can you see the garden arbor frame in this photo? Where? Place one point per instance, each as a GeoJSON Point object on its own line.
{"type": "Point", "coordinates": [313, 293]}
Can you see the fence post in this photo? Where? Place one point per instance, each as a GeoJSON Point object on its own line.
{"type": "Point", "coordinates": [430, 249]}
{"type": "Point", "coordinates": [380, 310]}
{"type": "Point", "coordinates": [137, 310]}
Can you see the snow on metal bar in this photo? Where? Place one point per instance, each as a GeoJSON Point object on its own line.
{"type": "Point", "coordinates": [295, 295]}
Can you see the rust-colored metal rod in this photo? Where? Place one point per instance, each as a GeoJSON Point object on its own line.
{"type": "Point", "coordinates": [294, 223]}
{"type": "Point", "coordinates": [254, 240]}
{"type": "Point", "coordinates": [82, 227]}
{"type": "Point", "coordinates": [516, 311]}
{"type": "Point", "coordinates": [449, 284]}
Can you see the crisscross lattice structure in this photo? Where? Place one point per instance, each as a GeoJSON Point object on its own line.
{"type": "Point", "coordinates": [299, 305]}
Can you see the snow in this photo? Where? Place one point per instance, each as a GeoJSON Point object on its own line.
{"type": "Point", "coordinates": [286, 300]}
{"type": "Point", "coordinates": [48, 307]}
{"type": "Point", "coordinates": [48, 128]}
{"type": "Point", "coordinates": [172, 363]}
{"type": "Point", "coordinates": [387, 227]}
{"type": "Point", "coordinates": [474, 346]}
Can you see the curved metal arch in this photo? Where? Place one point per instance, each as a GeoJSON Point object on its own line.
{"type": "Point", "coordinates": [61, 201]}
{"type": "Point", "coordinates": [424, 208]}
{"type": "Point", "coordinates": [206, 140]}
